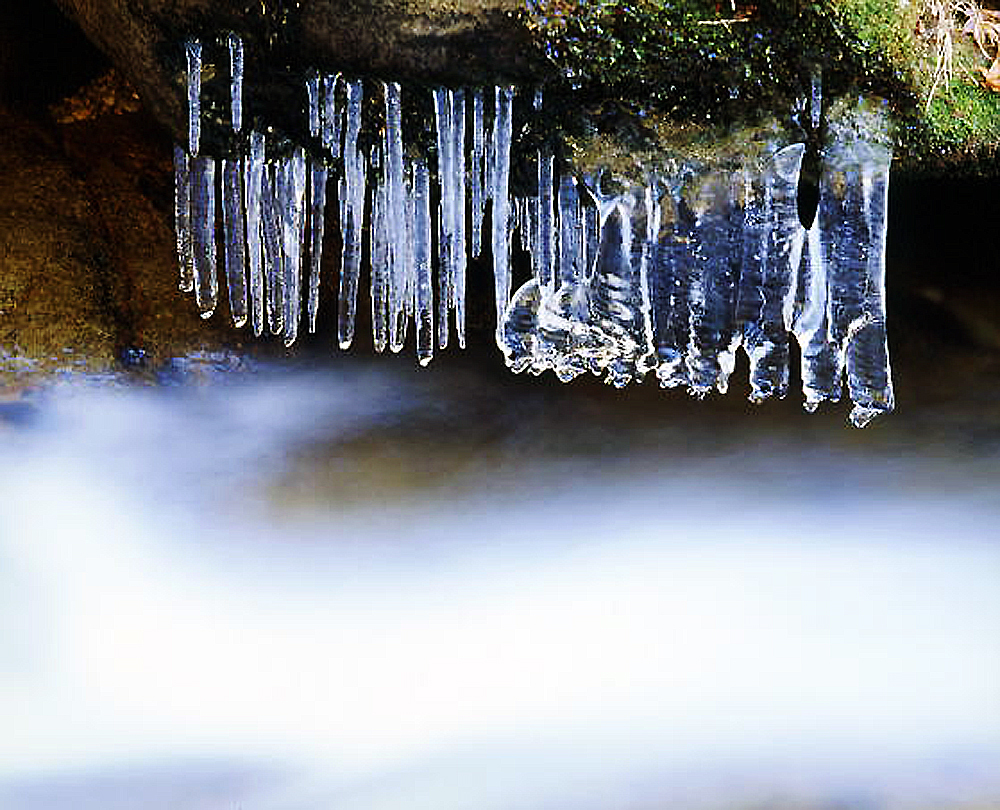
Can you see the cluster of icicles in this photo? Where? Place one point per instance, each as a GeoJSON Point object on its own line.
{"type": "Point", "coordinates": [668, 276]}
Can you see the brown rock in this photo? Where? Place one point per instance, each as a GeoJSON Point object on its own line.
{"type": "Point", "coordinates": [458, 41]}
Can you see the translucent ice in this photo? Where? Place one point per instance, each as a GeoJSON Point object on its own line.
{"type": "Point", "coordinates": [422, 261]}
{"type": "Point", "coordinates": [273, 250]}
{"type": "Point", "coordinates": [861, 141]}
{"type": "Point", "coordinates": [292, 197]}
{"type": "Point", "coordinates": [254, 177]}
{"type": "Point", "coordinates": [458, 210]}
{"type": "Point", "coordinates": [318, 128]}
{"type": "Point", "coordinates": [352, 206]}
{"type": "Point", "coordinates": [235, 81]}
{"type": "Point", "coordinates": [182, 218]}
{"type": "Point", "coordinates": [447, 216]}
{"type": "Point", "coordinates": [206, 282]}
{"type": "Point", "coordinates": [476, 171]}
{"type": "Point", "coordinates": [714, 198]}
{"type": "Point", "coordinates": [772, 228]}
{"type": "Point", "coordinates": [235, 238]}
{"type": "Point", "coordinates": [669, 273]}
{"type": "Point", "coordinates": [400, 253]}
{"type": "Point", "coordinates": [193, 53]}
{"type": "Point", "coordinates": [500, 194]}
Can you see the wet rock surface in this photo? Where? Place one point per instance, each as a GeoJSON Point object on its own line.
{"type": "Point", "coordinates": [440, 41]}
{"type": "Point", "coordinates": [87, 278]}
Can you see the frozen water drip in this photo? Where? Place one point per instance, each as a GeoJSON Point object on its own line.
{"type": "Point", "coordinates": [670, 275]}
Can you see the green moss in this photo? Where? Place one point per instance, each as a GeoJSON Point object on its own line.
{"type": "Point", "coordinates": [681, 60]}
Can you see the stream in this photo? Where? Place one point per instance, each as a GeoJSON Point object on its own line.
{"type": "Point", "coordinates": [354, 584]}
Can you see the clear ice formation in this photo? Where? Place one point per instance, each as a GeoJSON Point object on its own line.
{"type": "Point", "coordinates": [668, 275]}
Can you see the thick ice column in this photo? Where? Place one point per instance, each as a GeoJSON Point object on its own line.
{"type": "Point", "coordinates": [856, 181]}
{"type": "Point", "coordinates": [846, 240]}
{"type": "Point", "coordinates": [193, 52]}
{"type": "Point", "coordinates": [619, 293]}
{"type": "Point", "coordinates": [869, 375]}
{"type": "Point", "coordinates": [182, 218]}
{"type": "Point", "coordinates": [352, 199]}
{"type": "Point", "coordinates": [714, 199]}
{"type": "Point", "coordinates": [517, 335]}
{"type": "Point", "coordinates": [808, 323]}
{"type": "Point", "coordinates": [206, 282]}
{"type": "Point", "coordinates": [765, 336]}
{"type": "Point", "coordinates": [499, 191]}
{"type": "Point", "coordinates": [254, 177]}
{"type": "Point", "coordinates": [235, 238]}
{"type": "Point", "coordinates": [459, 261]}
{"type": "Point", "coordinates": [422, 261]}
{"type": "Point", "coordinates": [671, 276]}
{"type": "Point", "coordinates": [476, 171]}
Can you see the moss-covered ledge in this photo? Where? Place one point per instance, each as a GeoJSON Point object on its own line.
{"type": "Point", "coordinates": [715, 64]}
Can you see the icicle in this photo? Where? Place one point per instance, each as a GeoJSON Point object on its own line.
{"type": "Point", "coordinates": [273, 250]}
{"type": "Point", "coordinates": [206, 283]}
{"type": "Point", "coordinates": [254, 177]}
{"type": "Point", "coordinates": [478, 203]}
{"type": "Point", "coordinates": [193, 50]}
{"type": "Point", "coordinates": [868, 372]}
{"type": "Point", "coordinates": [331, 114]}
{"type": "Point", "coordinates": [379, 247]}
{"type": "Point", "coordinates": [545, 246]}
{"type": "Point", "coordinates": [352, 198]}
{"type": "Point", "coordinates": [768, 251]}
{"type": "Point", "coordinates": [317, 199]}
{"type": "Point", "coordinates": [672, 275]}
{"type": "Point", "coordinates": [182, 218]}
{"type": "Point", "coordinates": [313, 103]}
{"type": "Point", "coordinates": [619, 302]}
{"type": "Point", "coordinates": [235, 239]}
{"type": "Point", "coordinates": [458, 211]}
{"type": "Point", "coordinates": [292, 187]}
{"type": "Point", "coordinates": [809, 321]}
{"type": "Point", "coordinates": [400, 245]}
{"type": "Point", "coordinates": [446, 216]}
{"type": "Point", "coordinates": [502, 128]}
{"type": "Point", "coordinates": [854, 192]}
{"type": "Point", "coordinates": [591, 232]}
{"type": "Point", "coordinates": [714, 198]}
{"type": "Point", "coordinates": [522, 207]}
{"type": "Point", "coordinates": [816, 98]}
{"type": "Point", "coordinates": [236, 81]}
{"type": "Point", "coordinates": [570, 231]}
{"type": "Point", "coordinates": [422, 261]}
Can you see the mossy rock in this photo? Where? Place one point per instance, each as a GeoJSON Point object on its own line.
{"type": "Point", "coordinates": [717, 66]}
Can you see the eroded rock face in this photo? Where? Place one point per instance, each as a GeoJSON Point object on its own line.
{"type": "Point", "coordinates": [442, 41]}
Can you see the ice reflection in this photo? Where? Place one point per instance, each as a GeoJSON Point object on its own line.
{"type": "Point", "coordinates": [186, 599]}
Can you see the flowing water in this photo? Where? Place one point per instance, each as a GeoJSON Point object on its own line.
{"type": "Point", "coordinates": [362, 584]}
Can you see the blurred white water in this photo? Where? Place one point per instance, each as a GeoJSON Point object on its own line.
{"type": "Point", "coordinates": [199, 610]}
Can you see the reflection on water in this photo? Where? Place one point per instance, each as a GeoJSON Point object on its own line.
{"type": "Point", "coordinates": [365, 587]}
